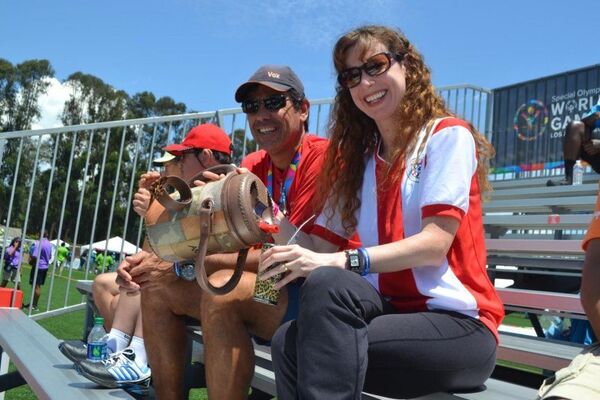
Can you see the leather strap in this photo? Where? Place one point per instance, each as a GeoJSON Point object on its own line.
{"type": "Point", "coordinates": [185, 192]}
{"type": "Point", "coordinates": [206, 213]}
{"type": "Point", "coordinates": [159, 190]}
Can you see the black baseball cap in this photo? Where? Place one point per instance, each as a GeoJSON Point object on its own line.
{"type": "Point", "coordinates": [277, 77]}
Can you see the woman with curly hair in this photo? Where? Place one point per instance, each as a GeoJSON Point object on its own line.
{"type": "Point", "coordinates": [412, 311]}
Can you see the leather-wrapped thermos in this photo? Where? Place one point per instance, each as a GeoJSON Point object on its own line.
{"type": "Point", "coordinates": [218, 217]}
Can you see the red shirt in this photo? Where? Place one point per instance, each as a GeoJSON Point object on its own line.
{"type": "Point", "coordinates": [302, 189]}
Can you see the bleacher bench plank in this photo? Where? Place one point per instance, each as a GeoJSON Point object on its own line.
{"type": "Point", "coordinates": [588, 189]}
{"type": "Point", "coordinates": [539, 221]}
{"type": "Point", "coordinates": [536, 299]}
{"type": "Point", "coordinates": [535, 247]}
{"type": "Point", "coordinates": [537, 352]}
{"type": "Point", "coordinates": [50, 375]}
{"type": "Point", "coordinates": [541, 205]}
{"type": "Point", "coordinates": [496, 390]}
{"type": "Point", "coordinates": [502, 184]}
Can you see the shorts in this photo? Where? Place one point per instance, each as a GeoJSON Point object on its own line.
{"type": "Point", "coordinates": [577, 381]}
{"type": "Point", "coordinates": [41, 276]}
{"type": "Point", "coordinates": [10, 273]}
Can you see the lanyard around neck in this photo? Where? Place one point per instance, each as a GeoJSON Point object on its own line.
{"type": "Point", "coordinates": [286, 183]}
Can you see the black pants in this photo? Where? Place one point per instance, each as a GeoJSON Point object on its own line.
{"type": "Point", "coordinates": [348, 338]}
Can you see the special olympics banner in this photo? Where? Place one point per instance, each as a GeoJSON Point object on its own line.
{"type": "Point", "coordinates": [529, 118]}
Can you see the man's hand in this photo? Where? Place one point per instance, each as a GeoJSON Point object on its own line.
{"type": "Point", "coordinates": [592, 147]}
{"type": "Point", "coordinates": [141, 199]}
{"type": "Point", "coordinates": [141, 202]}
{"type": "Point", "coordinates": [124, 279]}
{"type": "Point", "coordinates": [211, 176]}
{"type": "Point", "coordinates": [147, 179]}
{"type": "Point", "coordinates": [152, 271]}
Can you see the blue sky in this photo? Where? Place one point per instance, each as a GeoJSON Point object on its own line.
{"type": "Point", "coordinates": [199, 51]}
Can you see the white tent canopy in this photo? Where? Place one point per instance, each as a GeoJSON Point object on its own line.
{"type": "Point", "coordinates": [56, 241]}
{"type": "Point", "coordinates": [113, 244]}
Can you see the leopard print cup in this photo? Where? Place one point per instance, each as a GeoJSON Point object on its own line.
{"type": "Point", "coordinates": [264, 291]}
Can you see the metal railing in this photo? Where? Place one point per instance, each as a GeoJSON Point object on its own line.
{"type": "Point", "coordinates": [77, 182]}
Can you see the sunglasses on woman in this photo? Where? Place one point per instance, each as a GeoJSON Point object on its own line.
{"type": "Point", "coordinates": [375, 65]}
{"type": "Point", "coordinates": [271, 103]}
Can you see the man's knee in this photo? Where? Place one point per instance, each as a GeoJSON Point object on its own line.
{"type": "Point", "coordinates": [105, 284]}
{"type": "Point", "coordinates": [242, 291]}
{"type": "Point", "coordinates": [574, 133]}
{"type": "Point", "coordinates": [178, 298]}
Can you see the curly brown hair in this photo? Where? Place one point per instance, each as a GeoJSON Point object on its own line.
{"type": "Point", "coordinates": [354, 135]}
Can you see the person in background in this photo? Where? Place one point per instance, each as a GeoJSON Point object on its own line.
{"type": "Point", "coordinates": [579, 380]}
{"type": "Point", "coordinates": [12, 261]}
{"type": "Point", "coordinates": [61, 256]}
{"type": "Point", "coordinates": [413, 311]}
{"type": "Point", "coordinates": [581, 142]}
{"type": "Point", "coordinates": [42, 256]}
{"type": "Point", "coordinates": [99, 262]}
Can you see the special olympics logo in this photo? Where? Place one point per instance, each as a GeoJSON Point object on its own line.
{"type": "Point", "coordinates": [415, 168]}
{"type": "Point", "coordinates": [530, 120]}
{"type": "Point", "coordinates": [571, 106]}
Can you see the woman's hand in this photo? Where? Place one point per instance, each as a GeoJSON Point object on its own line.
{"type": "Point", "coordinates": [296, 262]}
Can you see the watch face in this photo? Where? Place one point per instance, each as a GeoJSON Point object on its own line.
{"type": "Point", "coordinates": [188, 272]}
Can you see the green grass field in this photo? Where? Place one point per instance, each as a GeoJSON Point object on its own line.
{"type": "Point", "coordinates": [70, 326]}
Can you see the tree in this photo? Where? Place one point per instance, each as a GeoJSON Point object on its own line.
{"type": "Point", "coordinates": [20, 89]}
{"type": "Point", "coordinates": [92, 100]}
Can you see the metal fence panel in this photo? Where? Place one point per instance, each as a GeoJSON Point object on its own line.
{"type": "Point", "coordinates": [77, 182]}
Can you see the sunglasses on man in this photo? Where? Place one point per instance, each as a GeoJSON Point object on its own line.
{"type": "Point", "coordinates": [374, 66]}
{"type": "Point", "coordinates": [272, 103]}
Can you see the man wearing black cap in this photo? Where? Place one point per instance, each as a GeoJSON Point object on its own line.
{"type": "Point", "coordinates": [288, 163]}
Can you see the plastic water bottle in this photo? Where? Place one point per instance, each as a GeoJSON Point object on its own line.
{"type": "Point", "coordinates": [96, 343]}
{"type": "Point", "coordinates": [577, 173]}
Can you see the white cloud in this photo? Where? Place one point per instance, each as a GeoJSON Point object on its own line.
{"type": "Point", "coordinates": [51, 105]}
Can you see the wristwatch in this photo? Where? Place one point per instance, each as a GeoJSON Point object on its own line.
{"type": "Point", "coordinates": [353, 261]}
{"type": "Point", "coordinates": [185, 270]}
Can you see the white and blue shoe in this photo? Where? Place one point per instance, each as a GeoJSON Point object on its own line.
{"type": "Point", "coordinates": [119, 370]}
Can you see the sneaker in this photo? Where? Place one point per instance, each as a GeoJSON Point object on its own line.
{"type": "Point", "coordinates": [119, 370]}
{"type": "Point", "coordinates": [33, 308]}
{"type": "Point", "coordinates": [74, 350]}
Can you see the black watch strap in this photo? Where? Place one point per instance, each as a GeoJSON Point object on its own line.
{"type": "Point", "coordinates": [353, 261]}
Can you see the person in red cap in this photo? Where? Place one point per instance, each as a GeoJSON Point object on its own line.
{"type": "Point", "coordinates": [288, 163]}
{"type": "Point", "coordinates": [204, 146]}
